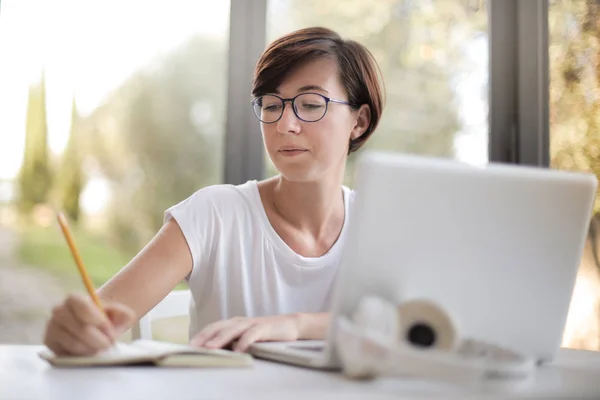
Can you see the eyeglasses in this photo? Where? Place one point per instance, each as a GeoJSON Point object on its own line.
{"type": "Point", "coordinates": [308, 107]}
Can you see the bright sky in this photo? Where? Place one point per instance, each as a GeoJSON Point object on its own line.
{"type": "Point", "coordinates": [471, 144]}
{"type": "Point", "coordinates": [87, 47]}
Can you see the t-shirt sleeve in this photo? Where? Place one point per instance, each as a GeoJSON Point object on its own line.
{"type": "Point", "coordinates": [196, 217]}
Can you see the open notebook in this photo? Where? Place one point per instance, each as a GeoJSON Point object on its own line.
{"type": "Point", "coordinates": [154, 353]}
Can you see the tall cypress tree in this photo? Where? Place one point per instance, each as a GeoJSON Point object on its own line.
{"type": "Point", "coordinates": [71, 176]}
{"type": "Point", "coordinates": [34, 179]}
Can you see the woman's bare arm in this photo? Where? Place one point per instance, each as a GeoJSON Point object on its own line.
{"type": "Point", "coordinates": [152, 273]}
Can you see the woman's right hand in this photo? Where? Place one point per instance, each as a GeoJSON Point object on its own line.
{"type": "Point", "coordinates": [78, 327]}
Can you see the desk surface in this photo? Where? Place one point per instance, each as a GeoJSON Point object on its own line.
{"type": "Point", "coordinates": [23, 375]}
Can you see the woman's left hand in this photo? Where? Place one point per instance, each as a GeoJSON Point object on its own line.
{"type": "Point", "coordinates": [247, 331]}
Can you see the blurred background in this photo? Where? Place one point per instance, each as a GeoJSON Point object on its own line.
{"type": "Point", "coordinates": [115, 110]}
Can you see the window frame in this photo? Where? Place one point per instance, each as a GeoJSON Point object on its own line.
{"type": "Point", "coordinates": [519, 82]}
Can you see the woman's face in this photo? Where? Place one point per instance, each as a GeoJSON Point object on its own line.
{"type": "Point", "coordinates": [310, 151]}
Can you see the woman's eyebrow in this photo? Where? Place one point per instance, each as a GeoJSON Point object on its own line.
{"type": "Point", "coordinates": [311, 87]}
{"type": "Point", "coordinates": [305, 88]}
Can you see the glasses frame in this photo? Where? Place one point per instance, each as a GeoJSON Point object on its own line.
{"type": "Point", "coordinates": [292, 101]}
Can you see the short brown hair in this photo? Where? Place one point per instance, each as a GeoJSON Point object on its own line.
{"type": "Point", "coordinates": [358, 70]}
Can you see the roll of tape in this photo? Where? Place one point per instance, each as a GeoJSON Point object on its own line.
{"type": "Point", "coordinates": [419, 338]}
{"type": "Point", "coordinates": [426, 325]}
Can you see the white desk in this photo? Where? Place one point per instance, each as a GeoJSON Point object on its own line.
{"type": "Point", "coordinates": [23, 375]}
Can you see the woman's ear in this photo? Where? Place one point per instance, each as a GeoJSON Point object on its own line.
{"type": "Point", "coordinates": [363, 119]}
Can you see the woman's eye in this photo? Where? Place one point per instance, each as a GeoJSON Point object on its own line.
{"type": "Point", "coordinates": [271, 107]}
{"type": "Point", "coordinates": [312, 106]}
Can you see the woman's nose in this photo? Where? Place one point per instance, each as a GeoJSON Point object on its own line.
{"type": "Point", "coordinates": [289, 122]}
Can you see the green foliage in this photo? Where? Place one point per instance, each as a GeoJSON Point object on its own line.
{"type": "Point", "coordinates": [47, 247]}
{"type": "Point", "coordinates": [158, 138]}
{"type": "Point", "coordinates": [34, 178]}
{"type": "Point", "coordinates": [575, 87]}
{"type": "Point", "coordinates": [71, 179]}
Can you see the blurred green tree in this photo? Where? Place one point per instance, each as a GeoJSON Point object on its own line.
{"type": "Point", "coordinates": [34, 179]}
{"type": "Point", "coordinates": [71, 179]}
{"type": "Point", "coordinates": [575, 87]}
{"type": "Point", "coordinates": [574, 55]}
{"type": "Point", "coordinates": [158, 138]}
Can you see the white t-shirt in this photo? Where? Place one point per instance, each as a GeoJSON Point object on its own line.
{"type": "Point", "coordinates": [241, 266]}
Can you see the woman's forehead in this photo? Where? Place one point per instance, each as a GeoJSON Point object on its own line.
{"type": "Point", "coordinates": [314, 74]}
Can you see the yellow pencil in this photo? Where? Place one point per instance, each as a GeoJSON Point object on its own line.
{"type": "Point", "coordinates": [62, 221]}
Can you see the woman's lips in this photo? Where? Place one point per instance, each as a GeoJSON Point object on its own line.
{"type": "Point", "coordinates": [292, 152]}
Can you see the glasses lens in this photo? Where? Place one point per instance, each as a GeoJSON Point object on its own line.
{"type": "Point", "coordinates": [310, 107]}
{"type": "Point", "coordinates": [268, 108]}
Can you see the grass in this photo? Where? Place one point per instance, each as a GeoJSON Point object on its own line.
{"type": "Point", "coordinates": [46, 248]}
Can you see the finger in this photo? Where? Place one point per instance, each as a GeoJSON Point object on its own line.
{"type": "Point", "coordinates": [55, 347]}
{"type": "Point", "coordinates": [70, 344]}
{"type": "Point", "coordinates": [86, 311]}
{"type": "Point", "coordinates": [252, 335]}
{"type": "Point", "coordinates": [227, 335]}
{"type": "Point", "coordinates": [89, 334]}
{"type": "Point", "coordinates": [50, 340]}
{"type": "Point", "coordinates": [208, 332]}
{"type": "Point", "coordinates": [121, 316]}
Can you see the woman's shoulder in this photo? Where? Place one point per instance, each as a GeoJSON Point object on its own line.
{"type": "Point", "coordinates": [223, 196]}
{"type": "Point", "coordinates": [214, 205]}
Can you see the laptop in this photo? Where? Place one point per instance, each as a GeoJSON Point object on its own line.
{"type": "Point", "coordinates": [498, 246]}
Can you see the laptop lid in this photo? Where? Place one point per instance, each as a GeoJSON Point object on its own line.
{"type": "Point", "coordinates": [497, 246]}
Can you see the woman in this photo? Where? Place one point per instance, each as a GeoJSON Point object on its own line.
{"type": "Point", "coordinates": [260, 258]}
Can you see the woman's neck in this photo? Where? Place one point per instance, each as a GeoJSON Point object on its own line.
{"type": "Point", "coordinates": [310, 207]}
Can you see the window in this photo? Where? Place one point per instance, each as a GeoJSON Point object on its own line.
{"type": "Point", "coordinates": [139, 88]}
{"type": "Point", "coordinates": [124, 78]}
{"type": "Point", "coordinates": [575, 142]}
{"type": "Point", "coordinates": [434, 60]}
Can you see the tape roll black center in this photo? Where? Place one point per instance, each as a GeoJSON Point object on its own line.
{"type": "Point", "coordinates": [422, 335]}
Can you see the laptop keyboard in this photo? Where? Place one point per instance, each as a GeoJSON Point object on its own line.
{"type": "Point", "coordinates": [308, 347]}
